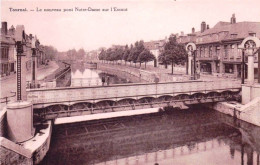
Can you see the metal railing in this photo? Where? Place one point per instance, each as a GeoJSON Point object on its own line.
{"type": "Point", "coordinates": [7, 98]}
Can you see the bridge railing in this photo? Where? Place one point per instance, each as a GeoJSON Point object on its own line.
{"type": "Point", "coordinates": [80, 82]}
{"type": "Point", "coordinates": [121, 91]}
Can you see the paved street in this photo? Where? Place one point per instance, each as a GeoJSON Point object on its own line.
{"type": "Point", "coordinates": [8, 85]}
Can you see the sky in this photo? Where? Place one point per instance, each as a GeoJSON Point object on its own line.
{"type": "Point", "coordinates": [144, 19]}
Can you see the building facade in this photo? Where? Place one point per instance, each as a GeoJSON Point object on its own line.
{"type": "Point", "coordinates": [8, 55]}
{"type": "Point", "coordinates": [155, 47]}
{"type": "Point", "coordinates": [217, 47]}
{"type": "Point", "coordinates": [8, 51]}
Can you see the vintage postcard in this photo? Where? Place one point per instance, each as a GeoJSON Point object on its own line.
{"type": "Point", "coordinates": [130, 82]}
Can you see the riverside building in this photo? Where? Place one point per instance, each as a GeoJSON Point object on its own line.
{"type": "Point", "coordinates": [217, 47]}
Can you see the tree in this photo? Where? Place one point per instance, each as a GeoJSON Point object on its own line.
{"type": "Point", "coordinates": [126, 53]}
{"type": "Point", "coordinates": [118, 54]}
{"type": "Point", "coordinates": [72, 54]}
{"type": "Point", "coordinates": [129, 58]}
{"type": "Point", "coordinates": [136, 51]}
{"type": "Point", "coordinates": [81, 54]}
{"type": "Point", "coordinates": [102, 55]}
{"type": "Point", "coordinates": [51, 52]}
{"type": "Point", "coordinates": [174, 52]}
{"type": "Point", "coordinates": [145, 56]}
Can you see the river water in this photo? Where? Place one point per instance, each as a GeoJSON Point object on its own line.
{"type": "Point", "coordinates": [197, 136]}
{"type": "Point", "coordinates": [80, 76]}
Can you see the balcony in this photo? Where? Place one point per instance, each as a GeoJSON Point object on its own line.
{"type": "Point", "coordinates": [232, 59]}
{"type": "Point", "coordinates": [213, 58]}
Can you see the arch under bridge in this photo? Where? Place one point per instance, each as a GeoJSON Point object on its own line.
{"type": "Point", "coordinates": [74, 101]}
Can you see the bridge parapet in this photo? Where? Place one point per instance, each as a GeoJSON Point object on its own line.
{"type": "Point", "coordinates": [125, 91]}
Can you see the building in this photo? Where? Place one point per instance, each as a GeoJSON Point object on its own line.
{"type": "Point", "coordinates": [8, 53]}
{"type": "Point", "coordinates": [155, 47]}
{"type": "Point", "coordinates": [92, 56]}
{"type": "Point", "coordinates": [217, 47]}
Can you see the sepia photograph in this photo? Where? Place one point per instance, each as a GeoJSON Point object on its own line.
{"type": "Point", "coordinates": [130, 82]}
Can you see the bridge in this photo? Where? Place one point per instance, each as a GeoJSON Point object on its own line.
{"type": "Point", "coordinates": [73, 101]}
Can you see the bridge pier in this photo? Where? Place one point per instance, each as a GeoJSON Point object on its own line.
{"type": "Point", "coordinates": [20, 121]}
{"type": "Point", "coordinates": [20, 113]}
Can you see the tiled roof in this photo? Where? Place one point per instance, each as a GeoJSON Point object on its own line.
{"type": "Point", "coordinates": [242, 29]}
{"type": "Point", "coordinates": [152, 45]}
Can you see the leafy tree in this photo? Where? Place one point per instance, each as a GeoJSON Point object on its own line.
{"type": "Point", "coordinates": [136, 51]}
{"type": "Point", "coordinates": [72, 54]}
{"type": "Point", "coordinates": [50, 52]}
{"type": "Point", "coordinates": [102, 55]}
{"type": "Point", "coordinates": [145, 56]}
{"type": "Point", "coordinates": [81, 54]}
{"type": "Point", "coordinates": [174, 52]}
{"type": "Point", "coordinates": [118, 54]}
{"type": "Point", "coordinates": [126, 53]}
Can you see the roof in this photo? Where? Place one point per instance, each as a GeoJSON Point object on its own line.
{"type": "Point", "coordinates": [240, 29]}
{"type": "Point", "coordinates": [7, 39]}
{"type": "Point", "coordinates": [152, 45]}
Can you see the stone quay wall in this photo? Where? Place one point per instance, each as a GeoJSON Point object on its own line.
{"type": "Point", "coordinates": [3, 123]}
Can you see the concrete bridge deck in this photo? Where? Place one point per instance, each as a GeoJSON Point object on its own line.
{"type": "Point", "coordinates": [76, 101]}
{"type": "Point", "coordinates": [72, 95]}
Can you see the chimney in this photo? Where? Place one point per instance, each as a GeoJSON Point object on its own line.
{"type": "Point", "coordinates": [182, 33]}
{"type": "Point", "coordinates": [233, 19]}
{"type": "Point", "coordinates": [203, 26]}
{"type": "Point", "coordinates": [4, 28]}
{"type": "Point", "coordinates": [207, 26]}
{"type": "Point", "coordinates": [193, 30]}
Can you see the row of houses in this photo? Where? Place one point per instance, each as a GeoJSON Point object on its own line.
{"type": "Point", "coordinates": [8, 51]}
{"type": "Point", "coordinates": [217, 47]}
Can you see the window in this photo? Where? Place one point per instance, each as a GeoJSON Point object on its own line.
{"type": "Point", "coordinates": [232, 53]}
{"type": "Point", "coordinates": [4, 53]}
{"type": "Point", "coordinates": [210, 51]}
{"type": "Point", "coordinates": [226, 50]}
{"type": "Point", "coordinates": [217, 50]}
{"type": "Point", "coordinates": [229, 68]}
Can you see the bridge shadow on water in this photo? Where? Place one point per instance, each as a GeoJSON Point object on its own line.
{"type": "Point", "coordinates": [196, 135]}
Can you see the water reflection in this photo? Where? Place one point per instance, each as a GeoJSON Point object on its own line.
{"type": "Point", "coordinates": [81, 76]}
{"type": "Point", "coordinates": [195, 136]}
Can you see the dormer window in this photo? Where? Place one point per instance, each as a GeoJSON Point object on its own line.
{"type": "Point", "coordinates": [252, 34]}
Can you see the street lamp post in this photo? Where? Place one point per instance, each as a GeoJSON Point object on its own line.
{"type": "Point", "coordinates": [249, 46]}
{"type": "Point", "coordinates": [191, 50]}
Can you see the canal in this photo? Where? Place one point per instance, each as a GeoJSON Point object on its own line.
{"type": "Point", "coordinates": [194, 136]}
{"type": "Point", "coordinates": [81, 76]}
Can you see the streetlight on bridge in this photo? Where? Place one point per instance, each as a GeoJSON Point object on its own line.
{"type": "Point", "coordinates": [191, 50]}
{"type": "Point", "coordinates": [250, 46]}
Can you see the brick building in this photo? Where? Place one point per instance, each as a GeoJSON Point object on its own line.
{"type": "Point", "coordinates": [217, 47]}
